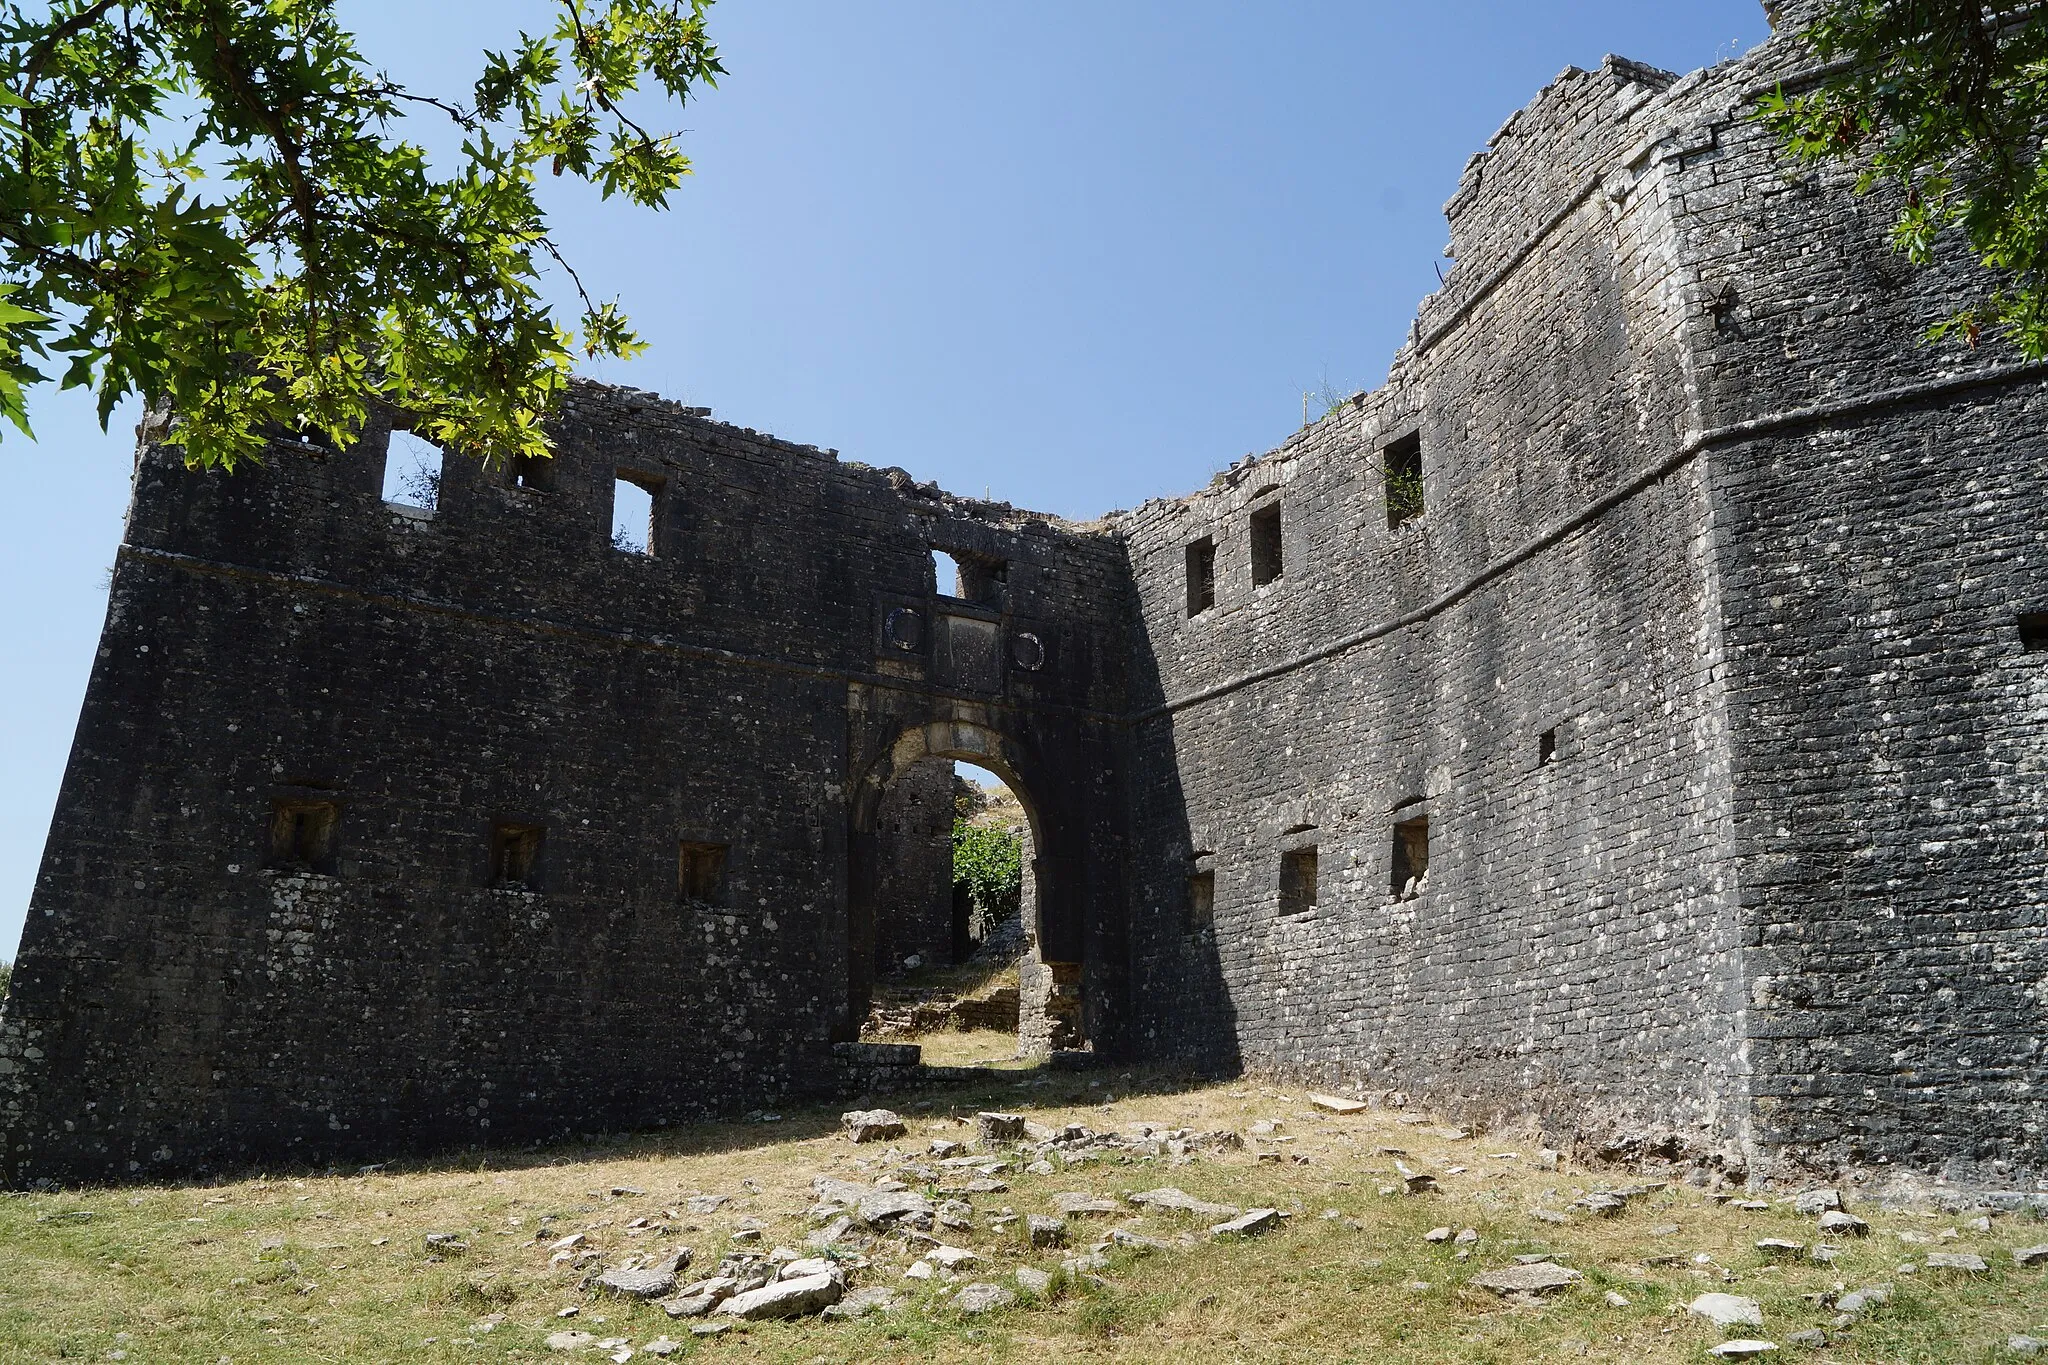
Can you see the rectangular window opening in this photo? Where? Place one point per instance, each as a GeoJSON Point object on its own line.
{"type": "Point", "coordinates": [700, 872]}
{"type": "Point", "coordinates": [302, 834]}
{"type": "Point", "coordinates": [1298, 880]}
{"type": "Point", "coordinates": [1266, 552]}
{"type": "Point", "coordinates": [1411, 856]}
{"type": "Point", "coordinates": [2034, 630]}
{"type": "Point", "coordinates": [1402, 462]}
{"type": "Point", "coordinates": [1201, 905]}
{"type": "Point", "coordinates": [515, 857]}
{"type": "Point", "coordinates": [1201, 575]}
{"type": "Point", "coordinates": [634, 500]}
{"type": "Point", "coordinates": [534, 473]}
{"type": "Point", "coordinates": [1546, 747]}
{"type": "Point", "coordinates": [412, 471]}
{"type": "Point", "coordinates": [969, 577]}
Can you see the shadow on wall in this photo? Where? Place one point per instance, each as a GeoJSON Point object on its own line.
{"type": "Point", "coordinates": [1180, 996]}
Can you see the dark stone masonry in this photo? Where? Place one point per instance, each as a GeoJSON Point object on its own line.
{"type": "Point", "coordinates": [1634, 715]}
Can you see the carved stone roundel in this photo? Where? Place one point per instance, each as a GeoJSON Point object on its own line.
{"type": "Point", "coordinates": [1027, 651]}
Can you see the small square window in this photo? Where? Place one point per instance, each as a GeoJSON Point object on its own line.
{"type": "Point", "coordinates": [1402, 463]}
{"type": "Point", "coordinates": [1201, 575]}
{"type": "Point", "coordinates": [1411, 856]}
{"type": "Point", "coordinates": [302, 834]}
{"type": "Point", "coordinates": [700, 872]}
{"type": "Point", "coordinates": [2034, 630]}
{"type": "Point", "coordinates": [1266, 545]}
{"type": "Point", "coordinates": [1201, 907]}
{"type": "Point", "coordinates": [1298, 880]}
{"type": "Point", "coordinates": [534, 473]}
{"type": "Point", "coordinates": [515, 856]}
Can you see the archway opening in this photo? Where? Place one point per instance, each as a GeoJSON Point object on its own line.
{"type": "Point", "coordinates": [955, 892]}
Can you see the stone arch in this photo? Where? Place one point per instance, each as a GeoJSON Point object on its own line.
{"type": "Point", "coordinates": [1051, 915]}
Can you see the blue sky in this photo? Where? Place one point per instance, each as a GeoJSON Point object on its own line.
{"type": "Point", "coordinates": [1074, 254]}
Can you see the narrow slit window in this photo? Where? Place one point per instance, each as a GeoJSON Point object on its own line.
{"type": "Point", "coordinates": [302, 834]}
{"type": "Point", "coordinates": [700, 872]}
{"type": "Point", "coordinates": [515, 857]}
{"type": "Point", "coordinates": [2034, 630]}
{"type": "Point", "coordinates": [634, 500]}
{"type": "Point", "coordinates": [412, 471]}
{"type": "Point", "coordinates": [534, 473]}
{"type": "Point", "coordinates": [1411, 856]}
{"type": "Point", "coordinates": [1266, 545]}
{"type": "Point", "coordinates": [1546, 748]}
{"type": "Point", "coordinates": [1298, 880]}
{"type": "Point", "coordinates": [1201, 575]}
{"type": "Point", "coordinates": [1402, 462]}
{"type": "Point", "coordinates": [1201, 907]}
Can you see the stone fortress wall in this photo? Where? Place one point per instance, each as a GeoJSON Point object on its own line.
{"type": "Point", "coordinates": [1673, 772]}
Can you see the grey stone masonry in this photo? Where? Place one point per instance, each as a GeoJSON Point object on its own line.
{"type": "Point", "coordinates": [1634, 715]}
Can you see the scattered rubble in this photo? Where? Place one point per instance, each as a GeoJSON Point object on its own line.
{"type": "Point", "coordinates": [873, 1125]}
{"type": "Point", "coordinates": [1727, 1310]}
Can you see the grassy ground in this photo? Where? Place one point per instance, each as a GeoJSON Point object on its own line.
{"type": "Point", "coordinates": [335, 1268]}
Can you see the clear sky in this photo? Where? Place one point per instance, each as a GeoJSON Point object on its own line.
{"type": "Point", "coordinates": [1075, 254]}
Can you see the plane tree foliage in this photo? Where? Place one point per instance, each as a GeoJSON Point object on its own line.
{"type": "Point", "coordinates": [212, 204]}
{"type": "Point", "coordinates": [1948, 102]}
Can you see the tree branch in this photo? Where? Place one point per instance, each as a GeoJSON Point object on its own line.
{"type": "Point", "coordinates": [57, 37]}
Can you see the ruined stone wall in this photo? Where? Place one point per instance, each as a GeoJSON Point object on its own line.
{"type": "Point", "coordinates": [914, 898]}
{"type": "Point", "coordinates": [185, 1000]}
{"type": "Point", "coordinates": [1881, 507]}
{"type": "Point", "coordinates": [1573, 948]}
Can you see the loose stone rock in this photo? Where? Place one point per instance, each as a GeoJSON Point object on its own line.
{"type": "Point", "coordinates": [448, 1243]}
{"type": "Point", "coordinates": [1811, 1202]}
{"type": "Point", "coordinates": [1000, 1127]}
{"type": "Point", "coordinates": [1467, 1236]}
{"type": "Point", "coordinates": [1968, 1262]}
{"type": "Point", "coordinates": [1727, 1310]}
{"type": "Point", "coordinates": [1248, 1224]}
{"type": "Point", "coordinates": [1835, 1223]}
{"type": "Point", "coordinates": [710, 1329]}
{"type": "Point", "coordinates": [2025, 1345]}
{"type": "Point", "coordinates": [1074, 1204]}
{"type": "Point", "coordinates": [1779, 1246]}
{"type": "Point", "coordinates": [638, 1284]}
{"type": "Point", "coordinates": [1167, 1199]}
{"type": "Point", "coordinates": [1033, 1280]}
{"type": "Point", "coordinates": [982, 1297]}
{"type": "Point", "coordinates": [661, 1346]}
{"type": "Point", "coordinates": [569, 1341]}
{"type": "Point", "coordinates": [1437, 1235]}
{"type": "Point", "coordinates": [1743, 1349]}
{"type": "Point", "coordinates": [872, 1125]}
{"type": "Point", "coordinates": [1417, 1182]}
{"type": "Point", "coordinates": [1813, 1338]}
{"type": "Point", "coordinates": [786, 1298]}
{"type": "Point", "coordinates": [861, 1302]}
{"type": "Point", "coordinates": [1544, 1277]}
{"type": "Point", "coordinates": [882, 1208]}
{"type": "Point", "coordinates": [1857, 1300]}
{"type": "Point", "coordinates": [2031, 1255]}
{"type": "Point", "coordinates": [1337, 1104]}
{"type": "Point", "coordinates": [1615, 1300]}
{"type": "Point", "coordinates": [1047, 1232]}
{"type": "Point", "coordinates": [706, 1203]}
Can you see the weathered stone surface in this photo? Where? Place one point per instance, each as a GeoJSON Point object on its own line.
{"type": "Point", "coordinates": [983, 1298]}
{"type": "Point", "coordinates": [873, 1125]}
{"type": "Point", "coordinates": [1859, 1300]}
{"type": "Point", "coordinates": [1000, 1127]}
{"type": "Point", "coordinates": [786, 1298]}
{"type": "Point", "coordinates": [1838, 1224]}
{"type": "Point", "coordinates": [1727, 1310]}
{"type": "Point", "coordinates": [1078, 1204]}
{"type": "Point", "coordinates": [858, 1303]}
{"type": "Point", "coordinates": [1337, 1104]}
{"type": "Point", "coordinates": [1247, 1224]}
{"type": "Point", "coordinates": [570, 1341]}
{"type": "Point", "coordinates": [1033, 1280]}
{"type": "Point", "coordinates": [1168, 1199]}
{"type": "Point", "coordinates": [1542, 1277]}
{"type": "Point", "coordinates": [2033, 1255]}
{"type": "Point", "coordinates": [881, 1208]}
{"type": "Point", "coordinates": [1742, 1348]}
{"type": "Point", "coordinates": [638, 1284]}
{"type": "Point", "coordinates": [1962, 1262]}
{"type": "Point", "coordinates": [1780, 1247]}
{"type": "Point", "coordinates": [1046, 1232]}
{"type": "Point", "coordinates": [1817, 1201]}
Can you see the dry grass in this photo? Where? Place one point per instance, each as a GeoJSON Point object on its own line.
{"type": "Point", "coordinates": [334, 1268]}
